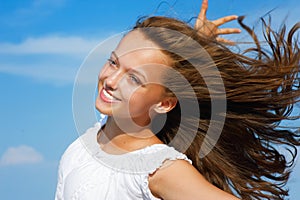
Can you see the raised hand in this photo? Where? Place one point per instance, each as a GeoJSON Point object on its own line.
{"type": "Point", "coordinates": [211, 28]}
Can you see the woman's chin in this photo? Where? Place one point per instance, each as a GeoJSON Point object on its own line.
{"type": "Point", "coordinates": [104, 109]}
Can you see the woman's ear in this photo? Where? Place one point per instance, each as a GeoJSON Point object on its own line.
{"type": "Point", "coordinates": [167, 104]}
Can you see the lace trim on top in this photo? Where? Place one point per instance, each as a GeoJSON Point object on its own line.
{"type": "Point", "coordinates": [145, 183]}
{"type": "Point", "coordinates": [142, 161]}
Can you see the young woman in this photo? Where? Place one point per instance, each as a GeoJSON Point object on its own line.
{"type": "Point", "coordinates": [188, 118]}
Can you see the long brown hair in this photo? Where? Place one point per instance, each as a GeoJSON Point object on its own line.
{"type": "Point", "coordinates": [261, 87]}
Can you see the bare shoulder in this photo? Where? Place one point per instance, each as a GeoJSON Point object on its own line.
{"type": "Point", "coordinates": [180, 180]}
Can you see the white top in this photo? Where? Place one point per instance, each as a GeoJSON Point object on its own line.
{"type": "Point", "coordinates": [88, 173]}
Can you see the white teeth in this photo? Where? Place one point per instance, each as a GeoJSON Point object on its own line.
{"type": "Point", "coordinates": [107, 95]}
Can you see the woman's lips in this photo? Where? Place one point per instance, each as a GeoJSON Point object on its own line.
{"type": "Point", "coordinates": [106, 96]}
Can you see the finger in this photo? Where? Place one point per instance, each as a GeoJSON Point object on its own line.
{"type": "Point", "coordinates": [224, 20]}
{"type": "Point", "coordinates": [203, 10]}
{"type": "Point", "coordinates": [228, 42]}
{"type": "Point", "coordinates": [223, 31]}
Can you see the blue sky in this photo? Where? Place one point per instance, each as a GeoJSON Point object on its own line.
{"type": "Point", "coordinates": [42, 46]}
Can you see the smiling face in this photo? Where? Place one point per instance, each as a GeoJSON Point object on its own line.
{"type": "Point", "coordinates": [130, 82]}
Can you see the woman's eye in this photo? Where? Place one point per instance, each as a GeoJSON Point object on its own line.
{"type": "Point", "coordinates": [112, 63]}
{"type": "Point", "coordinates": [134, 79]}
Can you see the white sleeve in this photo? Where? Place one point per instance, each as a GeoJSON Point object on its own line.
{"type": "Point", "coordinates": [170, 155]}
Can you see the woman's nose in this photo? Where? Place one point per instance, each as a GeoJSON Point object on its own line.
{"type": "Point", "coordinates": [113, 79]}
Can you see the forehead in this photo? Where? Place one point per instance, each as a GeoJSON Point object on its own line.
{"type": "Point", "coordinates": [136, 50]}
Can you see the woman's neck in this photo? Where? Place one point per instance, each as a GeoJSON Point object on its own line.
{"type": "Point", "coordinates": [123, 134]}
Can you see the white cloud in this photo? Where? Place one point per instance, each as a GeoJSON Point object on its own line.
{"type": "Point", "coordinates": [50, 45]}
{"type": "Point", "coordinates": [54, 73]}
{"type": "Point", "coordinates": [55, 59]}
{"type": "Point", "coordinates": [20, 155]}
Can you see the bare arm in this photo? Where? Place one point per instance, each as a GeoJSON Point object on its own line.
{"type": "Point", "coordinates": [180, 180]}
{"type": "Point", "coordinates": [211, 28]}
